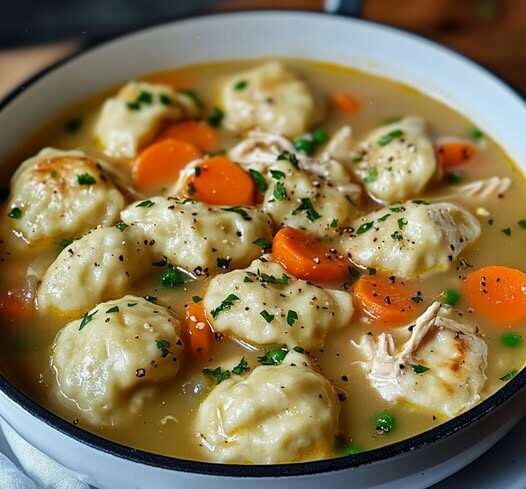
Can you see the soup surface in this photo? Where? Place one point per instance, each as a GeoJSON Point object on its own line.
{"type": "Point", "coordinates": [388, 204]}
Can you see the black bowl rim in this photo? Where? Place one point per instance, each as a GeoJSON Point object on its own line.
{"type": "Point", "coordinates": [441, 432]}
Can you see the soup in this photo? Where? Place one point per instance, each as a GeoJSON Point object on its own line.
{"type": "Point", "coordinates": [262, 262]}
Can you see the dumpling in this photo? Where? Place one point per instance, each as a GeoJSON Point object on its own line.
{"type": "Point", "coordinates": [60, 195]}
{"type": "Point", "coordinates": [131, 118]}
{"type": "Point", "coordinates": [107, 362]}
{"type": "Point", "coordinates": [307, 199]}
{"type": "Point", "coordinates": [198, 237]}
{"type": "Point", "coordinates": [276, 414]}
{"type": "Point", "coordinates": [440, 368]}
{"type": "Point", "coordinates": [396, 162]}
{"type": "Point", "coordinates": [271, 98]}
{"type": "Point", "coordinates": [412, 239]}
{"type": "Point", "coordinates": [264, 305]}
{"type": "Point", "coordinates": [340, 146]}
{"type": "Point", "coordinates": [101, 265]}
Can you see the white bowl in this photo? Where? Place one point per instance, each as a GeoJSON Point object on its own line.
{"type": "Point", "coordinates": [459, 83]}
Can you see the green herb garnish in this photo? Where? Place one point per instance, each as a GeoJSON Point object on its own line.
{"type": "Point", "coordinates": [163, 346]}
{"type": "Point", "coordinates": [509, 375]}
{"type": "Point", "coordinates": [146, 203]}
{"type": "Point", "coordinates": [306, 205]}
{"type": "Point", "coordinates": [238, 210]}
{"type": "Point", "coordinates": [218, 374]}
{"type": "Point", "coordinates": [121, 226]}
{"type": "Point", "coordinates": [290, 157]}
{"type": "Point", "coordinates": [280, 192]}
{"type": "Point", "coordinates": [419, 369]}
{"type": "Point", "coordinates": [267, 316]}
{"type": "Point", "coordinates": [240, 85]}
{"type": "Point", "coordinates": [511, 340]}
{"type": "Point", "coordinates": [292, 317]}
{"type": "Point", "coordinates": [363, 228]}
{"type": "Point", "coordinates": [263, 243]}
{"type": "Point", "coordinates": [113, 309]}
{"type": "Point", "coordinates": [86, 179]}
{"type": "Point", "coordinates": [390, 136]}
{"type": "Point", "coordinates": [259, 180]}
{"type": "Point", "coordinates": [372, 175]}
{"type": "Point", "coordinates": [241, 367]}
{"type": "Point", "coordinates": [223, 263]}
{"type": "Point", "coordinates": [384, 423]}
{"type": "Point", "coordinates": [196, 298]}
{"type": "Point", "coordinates": [274, 356]}
{"type": "Point", "coordinates": [227, 303]}
{"type": "Point", "coordinates": [86, 319]}
{"type": "Point", "coordinates": [215, 119]}
{"type": "Point", "coordinates": [172, 278]}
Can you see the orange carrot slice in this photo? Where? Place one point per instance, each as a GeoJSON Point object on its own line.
{"type": "Point", "coordinates": [198, 133]}
{"type": "Point", "coordinates": [14, 308]}
{"type": "Point", "coordinates": [498, 293]}
{"type": "Point", "coordinates": [160, 163]}
{"type": "Point", "coordinates": [346, 102]}
{"type": "Point", "coordinates": [198, 331]}
{"type": "Point", "coordinates": [455, 153]}
{"type": "Point", "coordinates": [220, 181]}
{"type": "Point", "coordinates": [307, 258]}
{"type": "Point", "coordinates": [385, 301]}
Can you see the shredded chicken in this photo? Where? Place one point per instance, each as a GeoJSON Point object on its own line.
{"type": "Point", "coordinates": [441, 367]}
{"type": "Point", "coordinates": [479, 191]}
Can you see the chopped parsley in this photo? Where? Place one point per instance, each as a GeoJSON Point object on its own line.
{"type": "Point", "coordinates": [522, 223]}
{"type": "Point", "coordinates": [363, 228]}
{"type": "Point", "coordinates": [280, 192]}
{"type": "Point", "coordinates": [271, 279]}
{"type": "Point", "coordinates": [259, 180]}
{"type": "Point", "coordinates": [172, 278]}
{"type": "Point", "coordinates": [241, 367]}
{"type": "Point", "coordinates": [121, 226]}
{"type": "Point", "coordinates": [402, 222]}
{"type": "Point", "coordinates": [306, 205]}
{"type": "Point", "coordinates": [227, 303]}
{"type": "Point", "coordinates": [509, 375]}
{"type": "Point", "coordinates": [277, 174]}
{"type": "Point", "coordinates": [454, 178]}
{"type": "Point", "coordinates": [240, 85]}
{"type": "Point", "coordinates": [372, 175]}
{"type": "Point", "coordinates": [475, 134]}
{"type": "Point", "coordinates": [320, 136]}
{"type": "Point", "coordinates": [506, 231]}
{"type": "Point", "coordinates": [86, 319]}
{"type": "Point", "coordinates": [64, 243]}
{"type": "Point", "coordinates": [215, 119]}
{"type": "Point", "coordinates": [350, 449]}
{"type": "Point", "coordinates": [196, 299]}
{"type": "Point", "coordinates": [275, 356]}
{"type": "Point", "coordinates": [267, 316]}
{"type": "Point", "coordinates": [390, 136]}
{"type": "Point", "coordinates": [144, 98]}
{"type": "Point", "coordinates": [263, 243]}
{"type": "Point", "coordinates": [290, 157]}
{"type": "Point", "coordinates": [451, 297]}
{"type": "Point", "coordinates": [419, 369]}
{"type": "Point", "coordinates": [113, 309]}
{"type": "Point", "coordinates": [356, 160]}
{"type": "Point", "coordinates": [397, 209]}
{"type": "Point", "coordinates": [146, 203]}
{"type": "Point", "coordinates": [384, 423]}
{"type": "Point", "coordinates": [73, 125]}
{"type": "Point", "coordinates": [223, 263]}
{"type": "Point", "coordinates": [238, 210]}
{"type": "Point", "coordinates": [163, 346]}
{"type": "Point", "coordinates": [371, 271]}
{"type": "Point", "coordinates": [511, 340]}
{"type": "Point", "coordinates": [334, 223]}
{"type": "Point", "coordinates": [218, 374]}
{"type": "Point", "coordinates": [383, 218]}
{"type": "Point", "coordinates": [86, 179]}
{"type": "Point", "coordinates": [132, 304]}
{"type": "Point", "coordinates": [397, 236]}
{"type": "Point", "coordinates": [292, 317]}
{"type": "Point", "coordinates": [165, 99]}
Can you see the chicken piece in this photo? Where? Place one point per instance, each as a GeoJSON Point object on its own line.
{"type": "Point", "coordinates": [440, 368]}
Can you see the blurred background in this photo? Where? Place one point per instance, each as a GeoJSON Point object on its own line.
{"type": "Point", "coordinates": [34, 33]}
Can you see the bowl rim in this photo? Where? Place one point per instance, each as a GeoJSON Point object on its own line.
{"type": "Point", "coordinates": [397, 449]}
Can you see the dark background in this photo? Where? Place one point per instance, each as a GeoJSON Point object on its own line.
{"type": "Point", "coordinates": [34, 32]}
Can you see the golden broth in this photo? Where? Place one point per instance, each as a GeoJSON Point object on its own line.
{"type": "Point", "coordinates": [164, 424]}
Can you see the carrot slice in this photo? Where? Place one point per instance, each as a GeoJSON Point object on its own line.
{"type": "Point", "coordinates": [220, 181]}
{"type": "Point", "coordinates": [14, 307]}
{"type": "Point", "coordinates": [455, 153]}
{"type": "Point", "coordinates": [198, 331]}
{"type": "Point", "coordinates": [160, 163]}
{"type": "Point", "coordinates": [198, 133]}
{"type": "Point", "coordinates": [305, 257]}
{"type": "Point", "coordinates": [385, 301]}
{"type": "Point", "coordinates": [498, 293]}
{"type": "Point", "coordinates": [346, 102]}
